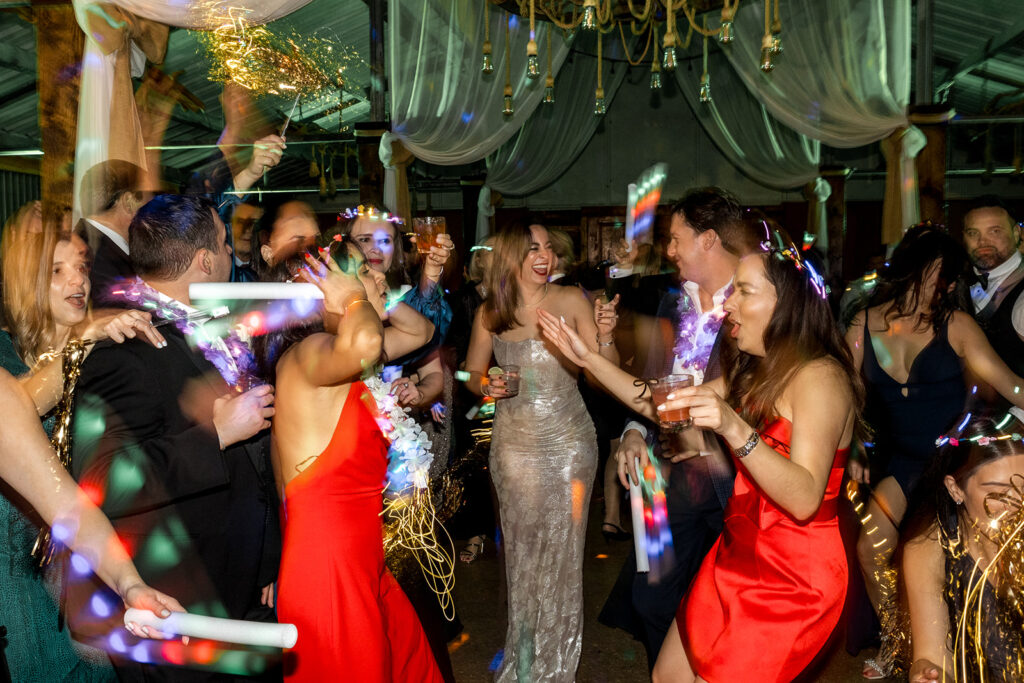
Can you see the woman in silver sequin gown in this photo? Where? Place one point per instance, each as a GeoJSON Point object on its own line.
{"type": "Point", "coordinates": [543, 456]}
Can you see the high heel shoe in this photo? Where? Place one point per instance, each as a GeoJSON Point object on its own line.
{"type": "Point", "coordinates": [472, 550]}
{"type": "Point", "coordinates": [613, 532]}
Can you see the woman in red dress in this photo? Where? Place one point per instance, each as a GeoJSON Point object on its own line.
{"type": "Point", "coordinates": [771, 590]}
{"type": "Point", "coordinates": [330, 460]}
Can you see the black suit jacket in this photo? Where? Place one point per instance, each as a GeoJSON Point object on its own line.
{"type": "Point", "coordinates": [109, 265]}
{"type": "Point", "coordinates": [200, 522]}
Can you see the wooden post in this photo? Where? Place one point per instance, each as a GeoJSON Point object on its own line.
{"type": "Point", "coordinates": [371, 170]}
{"type": "Point", "coordinates": [59, 48]}
{"type": "Point", "coordinates": [835, 217]}
{"type": "Point", "coordinates": [378, 75]}
{"type": "Point", "coordinates": [470, 195]}
{"type": "Point", "coordinates": [931, 162]}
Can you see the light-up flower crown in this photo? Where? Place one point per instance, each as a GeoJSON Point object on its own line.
{"type": "Point", "coordinates": [775, 245]}
{"type": "Point", "coordinates": [372, 213]}
{"type": "Point", "coordinates": [953, 438]}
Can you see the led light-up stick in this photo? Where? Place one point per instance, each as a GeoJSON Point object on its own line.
{"type": "Point", "coordinates": [213, 628]}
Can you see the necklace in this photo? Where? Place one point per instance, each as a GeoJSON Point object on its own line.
{"type": "Point", "coordinates": [537, 302]}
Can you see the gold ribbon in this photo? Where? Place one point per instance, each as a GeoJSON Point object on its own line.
{"type": "Point", "coordinates": [73, 356]}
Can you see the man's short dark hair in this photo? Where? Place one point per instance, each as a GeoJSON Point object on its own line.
{"type": "Point", "coordinates": [167, 232]}
{"type": "Point", "coordinates": [712, 208]}
{"type": "Point", "coordinates": [105, 183]}
{"type": "Point", "coordinates": [990, 201]}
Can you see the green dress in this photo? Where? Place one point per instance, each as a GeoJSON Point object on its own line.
{"type": "Point", "coordinates": [35, 649]}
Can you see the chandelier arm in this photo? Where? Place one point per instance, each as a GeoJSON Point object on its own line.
{"type": "Point", "coordinates": [625, 48]}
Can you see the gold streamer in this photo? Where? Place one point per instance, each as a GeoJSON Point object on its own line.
{"type": "Point", "coordinates": [411, 525]}
{"type": "Point", "coordinates": [72, 357]}
{"type": "Point", "coordinates": [271, 62]}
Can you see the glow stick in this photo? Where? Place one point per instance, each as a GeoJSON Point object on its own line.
{"type": "Point", "coordinates": [630, 209]}
{"type": "Point", "coordinates": [216, 291]}
{"type": "Point", "coordinates": [636, 506]}
{"type": "Point", "coordinates": [214, 628]}
{"type": "Point", "coordinates": [643, 204]}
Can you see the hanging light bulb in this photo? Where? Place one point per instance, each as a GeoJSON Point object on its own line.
{"type": "Point", "coordinates": [488, 65]}
{"type": "Point", "coordinates": [670, 58]}
{"type": "Point", "coordinates": [532, 62]}
{"type": "Point", "coordinates": [705, 88]}
{"type": "Point", "coordinates": [599, 105]}
{"type": "Point", "coordinates": [508, 109]}
{"type": "Point", "coordinates": [725, 35]}
{"type": "Point", "coordinates": [766, 54]}
{"type": "Point", "coordinates": [655, 75]}
{"type": "Point", "coordinates": [549, 90]}
{"type": "Point", "coordinates": [589, 15]}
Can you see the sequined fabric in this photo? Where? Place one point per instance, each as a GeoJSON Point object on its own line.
{"type": "Point", "coordinates": [543, 461]}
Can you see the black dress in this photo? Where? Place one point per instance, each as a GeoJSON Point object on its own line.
{"type": "Point", "coordinates": [907, 418]}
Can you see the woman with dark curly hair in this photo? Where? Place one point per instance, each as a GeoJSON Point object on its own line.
{"type": "Point", "coordinates": [911, 344]}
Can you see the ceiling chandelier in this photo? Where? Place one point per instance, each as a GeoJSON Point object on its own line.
{"type": "Point", "coordinates": [608, 16]}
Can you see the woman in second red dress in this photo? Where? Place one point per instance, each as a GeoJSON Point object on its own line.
{"type": "Point", "coordinates": [771, 590]}
{"type": "Point", "coordinates": [330, 460]}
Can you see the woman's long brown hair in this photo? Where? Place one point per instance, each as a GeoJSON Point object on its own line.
{"type": "Point", "coordinates": [503, 296]}
{"type": "Point", "coordinates": [800, 330]}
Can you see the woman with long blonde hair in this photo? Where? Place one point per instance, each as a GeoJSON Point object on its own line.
{"type": "Point", "coordinates": [45, 280]}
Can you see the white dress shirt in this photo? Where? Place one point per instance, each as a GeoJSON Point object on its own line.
{"type": "Point", "coordinates": [114, 237]}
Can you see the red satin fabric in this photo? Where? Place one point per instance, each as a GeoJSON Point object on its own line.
{"type": "Point", "coordinates": [354, 621]}
{"type": "Point", "coordinates": [771, 590]}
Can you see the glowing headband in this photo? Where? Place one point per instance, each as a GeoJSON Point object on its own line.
{"type": "Point", "coordinates": [371, 213]}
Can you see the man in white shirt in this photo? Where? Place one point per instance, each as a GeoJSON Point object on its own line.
{"type": "Point", "coordinates": [992, 238]}
{"type": "Point", "coordinates": [707, 239]}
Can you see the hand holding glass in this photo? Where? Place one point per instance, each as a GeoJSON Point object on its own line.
{"type": "Point", "coordinates": [678, 418]}
{"type": "Point", "coordinates": [427, 230]}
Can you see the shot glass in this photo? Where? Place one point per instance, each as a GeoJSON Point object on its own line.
{"type": "Point", "coordinates": [426, 231]}
{"type": "Point", "coordinates": [671, 419]}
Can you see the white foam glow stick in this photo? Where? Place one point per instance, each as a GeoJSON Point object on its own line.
{"type": "Point", "coordinates": [215, 291]}
{"type": "Point", "coordinates": [636, 506]}
{"type": "Point", "coordinates": [214, 628]}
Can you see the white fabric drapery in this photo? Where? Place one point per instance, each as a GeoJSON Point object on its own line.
{"type": "Point", "coordinates": [901, 207]}
{"type": "Point", "coordinates": [555, 135]}
{"type": "Point", "coordinates": [817, 194]}
{"type": "Point", "coordinates": [97, 84]}
{"type": "Point", "coordinates": [747, 135]}
{"type": "Point", "coordinates": [443, 109]}
{"type": "Point", "coordinates": [844, 75]}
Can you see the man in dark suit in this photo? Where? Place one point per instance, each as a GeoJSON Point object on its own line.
{"type": "Point", "coordinates": [706, 241]}
{"type": "Point", "coordinates": [992, 237]}
{"type": "Point", "coordinates": [172, 454]}
{"type": "Point", "coordinates": [110, 195]}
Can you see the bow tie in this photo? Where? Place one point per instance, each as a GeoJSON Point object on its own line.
{"type": "Point", "coordinates": [983, 280]}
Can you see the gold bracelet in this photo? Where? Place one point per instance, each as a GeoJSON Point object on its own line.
{"type": "Point", "coordinates": [352, 303]}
